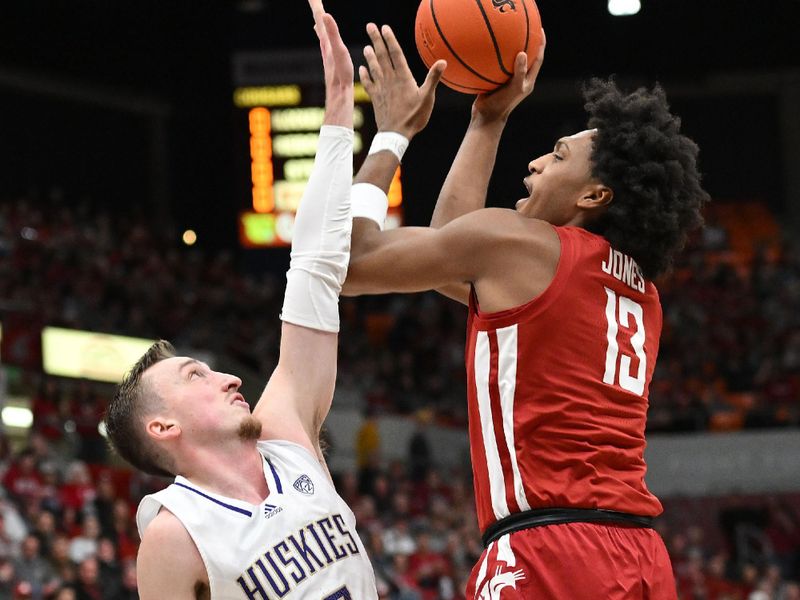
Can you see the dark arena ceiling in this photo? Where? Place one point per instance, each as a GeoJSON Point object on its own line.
{"type": "Point", "coordinates": [161, 46]}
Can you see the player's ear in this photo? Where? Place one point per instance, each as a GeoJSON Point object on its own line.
{"type": "Point", "coordinates": [162, 428]}
{"type": "Point", "coordinates": [594, 196]}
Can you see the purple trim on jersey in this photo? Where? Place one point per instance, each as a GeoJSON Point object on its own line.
{"type": "Point", "coordinates": [215, 501]}
{"type": "Point", "coordinates": [275, 476]}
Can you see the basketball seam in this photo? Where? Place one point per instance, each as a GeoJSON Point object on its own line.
{"type": "Point", "coordinates": [453, 52]}
{"type": "Point", "coordinates": [494, 39]}
{"type": "Point", "coordinates": [466, 87]}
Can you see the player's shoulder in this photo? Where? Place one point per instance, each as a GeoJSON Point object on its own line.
{"type": "Point", "coordinates": [168, 556]}
{"type": "Point", "coordinates": [508, 224]}
{"type": "Point", "coordinates": [166, 531]}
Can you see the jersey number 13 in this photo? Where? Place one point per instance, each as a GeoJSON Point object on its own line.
{"type": "Point", "coordinates": [619, 310]}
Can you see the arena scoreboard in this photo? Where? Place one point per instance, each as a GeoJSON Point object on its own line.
{"type": "Point", "coordinates": [278, 110]}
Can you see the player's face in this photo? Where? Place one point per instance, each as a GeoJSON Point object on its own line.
{"type": "Point", "coordinates": [204, 403]}
{"type": "Point", "coordinates": [558, 180]}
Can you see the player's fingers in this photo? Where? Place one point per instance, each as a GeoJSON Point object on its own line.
{"type": "Point", "coordinates": [393, 48]}
{"type": "Point", "coordinates": [379, 46]}
{"type": "Point", "coordinates": [537, 64]}
{"type": "Point", "coordinates": [324, 48]}
{"type": "Point", "coordinates": [317, 10]}
{"type": "Point", "coordinates": [333, 35]}
{"type": "Point", "coordinates": [520, 67]}
{"type": "Point", "coordinates": [366, 80]}
{"type": "Point", "coordinates": [433, 77]}
{"type": "Point", "coordinates": [521, 64]}
{"type": "Point", "coordinates": [375, 71]}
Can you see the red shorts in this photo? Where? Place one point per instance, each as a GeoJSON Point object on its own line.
{"type": "Point", "coordinates": [575, 561]}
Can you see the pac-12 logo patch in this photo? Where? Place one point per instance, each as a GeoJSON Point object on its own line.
{"type": "Point", "coordinates": [304, 485]}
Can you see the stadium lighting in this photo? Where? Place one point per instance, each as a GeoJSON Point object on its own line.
{"type": "Point", "coordinates": [189, 237]}
{"type": "Point", "coordinates": [17, 416]}
{"type": "Point", "coordinates": [624, 8]}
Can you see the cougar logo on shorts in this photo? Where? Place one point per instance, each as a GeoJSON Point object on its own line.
{"type": "Point", "coordinates": [502, 5]}
{"type": "Point", "coordinates": [304, 485]}
{"type": "Point", "coordinates": [491, 589]}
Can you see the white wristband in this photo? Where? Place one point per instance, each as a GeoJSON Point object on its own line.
{"type": "Point", "coordinates": [370, 202]}
{"type": "Point", "coordinates": [391, 141]}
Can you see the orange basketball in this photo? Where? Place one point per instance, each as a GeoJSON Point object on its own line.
{"type": "Point", "coordinates": [479, 39]}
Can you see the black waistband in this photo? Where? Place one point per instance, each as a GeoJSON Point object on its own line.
{"type": "Point", "coordinates": [557, 516]}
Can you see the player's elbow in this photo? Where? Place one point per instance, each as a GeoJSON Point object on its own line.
{"type": "Point", "coordinates": [360, 278]}
{"type": "Point", "coordinates": [350, 290]}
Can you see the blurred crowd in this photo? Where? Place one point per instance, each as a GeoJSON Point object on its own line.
{"type": "Point", "coordinates": [730, 358]}
{"type": "Point", "coordinates": [730, 346]}
{"type": "Point", "coordinates": [67, 532]}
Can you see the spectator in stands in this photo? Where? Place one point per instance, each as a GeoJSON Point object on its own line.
{"type": "Point", "coordinates": [14, 528]}
{"type": "Point", "coordinates": [60, 561]}
{"type": "Point", "coordinates": [65, 593]}
{"type": "Point", "coordinates": [77, 491]}
{"type": "Point", "coordinates": [129, 585]}
{"type": "Point", "coordinates": [7, 545]}
{"type": "Point", "coordinates": [367, 447]}
{"type": "Point", "coordinates": [86, 544]}
{"type": "Point", "coordinates": [397, 539]}
{"type": "Point", "coordinates": [45, 531]}
{"type": "Point", "coordinates": [8, 578]}
{"type": "Point", "coordinates": [125, 534]}
{"type": "Point", "coordinates": [783, 532]}
{"type": "Point", "coordinates": [103, 504]}
{"type": "Point", "coordinates": [419, 448]}
{"type": "Point", "coordinates": [23, 481]}
{"type": "Point", "coordinates": [88, 585]}
{"type": "Point", "coordinates": [427, 568]}
{"type": "Point", "coordinates": [30, 567]}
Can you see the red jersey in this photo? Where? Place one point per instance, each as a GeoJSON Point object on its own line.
{"type": "Point", "coordinates": [557, 388]}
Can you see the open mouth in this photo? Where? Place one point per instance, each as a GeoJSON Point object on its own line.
{"type": "Point", "coordinates": [239, 399]}
{"type": "Point", "coordinates": [527, 185]}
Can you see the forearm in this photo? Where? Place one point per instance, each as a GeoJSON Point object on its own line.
{"type": "Point", "coordinates": [467, 183]}
{"type": "Point", "coordinates": [321, 244]}
{"type": "Point", "coordinates": [378, 169]}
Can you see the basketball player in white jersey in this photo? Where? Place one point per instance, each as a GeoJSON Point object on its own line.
{"type": "Point", "coordinates": [252, 513]}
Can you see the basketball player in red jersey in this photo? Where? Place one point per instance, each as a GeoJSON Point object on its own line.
{"type": "Point", "coordinates": [564, 320]}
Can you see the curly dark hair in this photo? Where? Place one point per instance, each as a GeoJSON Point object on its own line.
{"type": "Point", "coordinates": [640, 153]}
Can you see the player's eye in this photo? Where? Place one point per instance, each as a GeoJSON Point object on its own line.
{"type": "Point", "coordinates": [557, 156]}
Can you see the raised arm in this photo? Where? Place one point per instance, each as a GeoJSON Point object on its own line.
{"type": "Point", "coordinates": [402, 109]}
{"type": "Point", "coordinates": [416, 259]}
{"type": "Point", "coordinates": [298, 396]}
{"type": "Point", "coordinates": [467, 182]}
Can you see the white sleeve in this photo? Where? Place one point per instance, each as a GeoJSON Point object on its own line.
{"type": "Point", "coordinates": [321, 239]}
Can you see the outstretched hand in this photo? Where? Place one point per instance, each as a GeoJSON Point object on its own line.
{"type": "Point", "coordinates": [499, 103]}
{"type": "Point", "coordinates": [400, 105]}
{"type": "Point", "coordinates": [338, 68]}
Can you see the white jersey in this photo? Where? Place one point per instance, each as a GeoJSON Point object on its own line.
{"type": "Point", "coordinates": [300, 542]}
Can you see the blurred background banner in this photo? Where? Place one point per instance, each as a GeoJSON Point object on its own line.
{"type": "Point", "coordinates": [88, 355]}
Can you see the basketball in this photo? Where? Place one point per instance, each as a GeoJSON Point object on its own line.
{"type": "Point", "coordinates": [479, 39]}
